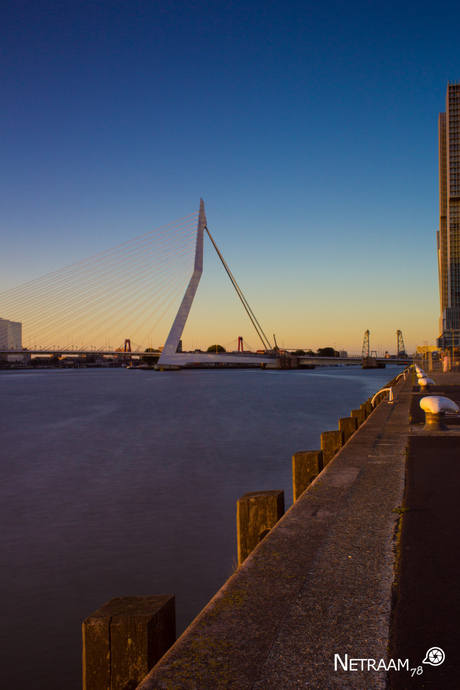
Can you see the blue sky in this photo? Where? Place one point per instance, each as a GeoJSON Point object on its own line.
{"type": "Point", "coordinates": [309, 129]}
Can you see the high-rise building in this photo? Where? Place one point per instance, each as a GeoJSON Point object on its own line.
{"type": "Point", "coordinates": [11, 337]}
{"type": "Point", "coordinates": [448, 236]}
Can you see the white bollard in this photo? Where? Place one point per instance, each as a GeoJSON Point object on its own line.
{"type": "Point", "coordinates": [435, 408]}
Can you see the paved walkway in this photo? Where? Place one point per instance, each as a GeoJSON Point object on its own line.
{"type": "Point", "coordinates": [427, 606]}
{"type": "Point", "coordinates": [311, 607]}
{"type": "Point", "coordinates": [318, 585]}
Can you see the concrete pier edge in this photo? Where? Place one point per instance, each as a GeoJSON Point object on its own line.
{"type": "Point", "coordinates": [317, 586]}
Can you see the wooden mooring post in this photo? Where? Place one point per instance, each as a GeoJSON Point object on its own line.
{"type": "Point", "coordinates": [257, 513]}
{"type": "Point", "coordinates": [124, 639]}
{"type": "Point", "coordinates": [331, 443]}
{"type": "Point", "coordinates": [360, 416]}
{"type": "Point", "coordinates": [367, 407]}
{"type": "Point", "coordinates": [348, 426]}
{"type": "Point", "coordinates": [306, 465]}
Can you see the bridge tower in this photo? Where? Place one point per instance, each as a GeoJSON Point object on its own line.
{"type": "Point", "coordinates": [127, 348]}
{"type": "Point", "coordinates": [172, 355]}
{"type": "Point", "coordinates": [400, 349]}
{"type": "Point", "coordinates": [366, 347]}
{"type": "Point", "coordinates": [172, 342]}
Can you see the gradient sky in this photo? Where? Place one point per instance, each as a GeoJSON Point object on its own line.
{"type": "Point", "coordinates": [309, 129]}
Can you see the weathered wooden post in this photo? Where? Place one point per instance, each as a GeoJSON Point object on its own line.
{"type": "Point", "coordinates": [306, 465]}
{"type": "Point", "coordinates": [360, 416]}
{"type": "Point", "coordinates": [379, 398]}
{"type": "Point", "coordinates": [257, 513]}
{"type": "Point", "coordinates": [367, 407]}
{"type": "Point", "coordinates": [348, 426]}
{"type": "Point", "coordinates": [331, 443]}
{"type": "Point", "coordinates": [124, 639]}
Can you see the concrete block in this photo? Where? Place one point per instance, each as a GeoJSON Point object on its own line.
{"type": "Point", "coordinates": [348, 426]}
{"type": "Point", "coordinates": [331, 443]}
{"type": "Point", "coordinates": [125, 638]}
{"type": "Point", "coordinates": [257, 513]}
{"type": "Point", "coordinates": [306, 465]}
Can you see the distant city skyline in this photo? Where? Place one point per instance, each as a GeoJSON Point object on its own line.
{"type": "Point", "coordinates": [309, 131]}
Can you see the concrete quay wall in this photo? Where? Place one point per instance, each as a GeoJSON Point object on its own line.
{"type": "Point", "coordinates": [317, 586]}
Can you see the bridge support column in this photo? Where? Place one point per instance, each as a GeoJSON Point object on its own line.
{"type": "Point", "coordinates": [306, 465]}
{"type": "Point", "coordinates": [124, 639]}
{"type": "Point", "coordinates": [257, 513]}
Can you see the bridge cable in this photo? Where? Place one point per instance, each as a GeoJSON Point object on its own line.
{"type": "Point", "coordinates": [107, 288]}
{"type": "Point", "coordinates": [250, 313]}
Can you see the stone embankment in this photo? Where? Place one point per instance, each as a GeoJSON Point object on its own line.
{"type": "Point", "coordinates": [355, 587]}
{"type": "Point", "coordinates": [316, 594]}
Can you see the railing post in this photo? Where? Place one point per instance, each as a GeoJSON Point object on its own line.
{"type": "Point", "coordinates": [257, 513]}
{"type": "Point", "coordinates": [124, 639]}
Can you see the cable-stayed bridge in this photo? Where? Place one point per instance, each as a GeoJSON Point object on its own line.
{"type": "Point", "coordinates": [123, 292]}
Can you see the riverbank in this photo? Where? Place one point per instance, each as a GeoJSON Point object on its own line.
{"type": "Point", "coordinates": [143, 470]}
{"type": "Point", "coordinates": [318, 585]}
{"type": "Point", "coordinates": [357, 586]}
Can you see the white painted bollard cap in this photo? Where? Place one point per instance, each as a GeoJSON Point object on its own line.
{"type": "Point", "coordinates": [436, 404]}
{"type": "Point", "coordinates": [425, 381]}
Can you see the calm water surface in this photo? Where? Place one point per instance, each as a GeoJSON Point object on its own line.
{"type": "Point", "coordinates": [117, 482]}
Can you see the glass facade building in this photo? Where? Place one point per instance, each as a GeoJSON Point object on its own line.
{"type": "Point", "coordinates": [448, 235]}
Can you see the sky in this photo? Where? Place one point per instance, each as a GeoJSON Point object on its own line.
{"type": "Point", "coordinates": [309, 129]}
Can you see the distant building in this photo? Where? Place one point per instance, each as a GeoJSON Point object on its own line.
{"type": "Point", "coordinates": [448, 235]}
{"type": "Point", "coordinates": [11, 337]}
{"type": "Point", "coordinates": [423, 349]}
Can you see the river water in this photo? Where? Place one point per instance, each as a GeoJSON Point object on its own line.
{"type": "Point", "coordinates": [122, 482]}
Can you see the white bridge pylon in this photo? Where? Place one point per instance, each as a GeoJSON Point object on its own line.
{"type": "Point", "coordinates": [169, 356]}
